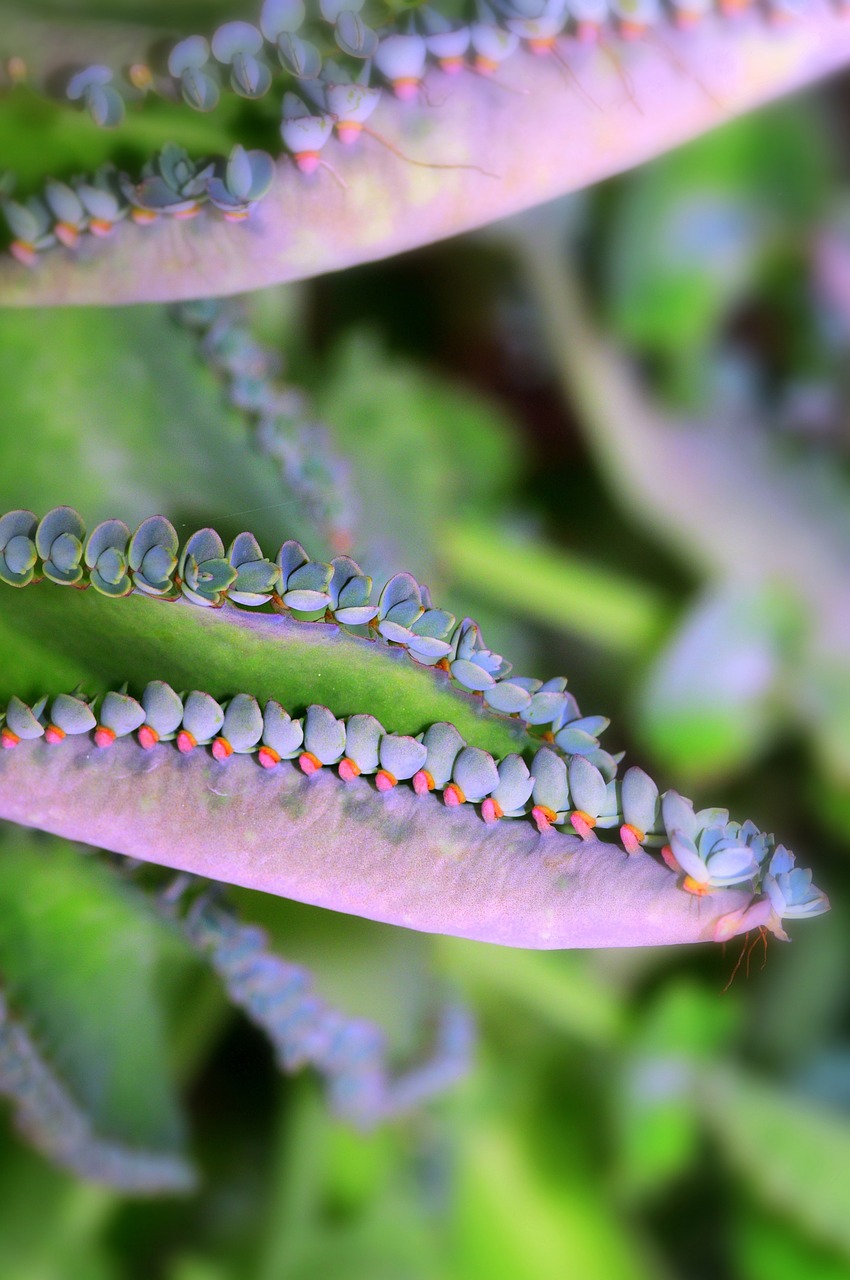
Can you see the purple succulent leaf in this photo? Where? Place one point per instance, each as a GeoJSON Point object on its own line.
{"type": "Point", "coordinates": [399, 857]}
{"type": "Point", "coordinates": [540, 141]}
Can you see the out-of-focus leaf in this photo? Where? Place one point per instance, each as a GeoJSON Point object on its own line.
{"type": "Point", "coordinates": [712, 699]}
{"type": "Point", "coordinates": [538, 140]}
{"type": "Point", "coordinates": [692, 231]}
{"type": "Point", "coordinates": [114, 408]}
{"type": "Point", "coordinates": [512, 1220]}
{"type": "Point", "coordinates": [52, 1224]}
{"type": "Point", "coordinates": [368, 970]}
{"type": "Point", "coordinates": [791, 1154]}
{"type": "Point", "coordinates": [422, 452]}
{"type": "Point", "coordinates": [722, 495]}
{"type": "Point", "coordinates": [658, 1125]}
{"type": "Point", "coordinates": [558, 991]}
{"type": "Point", "coordinates": [552, 586]}
{"type": "Point", "coordinates": [79, 958]}
{"type": "Point", "coordinates": [768, 1248]}
{"type": "Point", "coordinates": [351, 1208]}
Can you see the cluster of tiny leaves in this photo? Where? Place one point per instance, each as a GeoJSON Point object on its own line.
{"type": "Point", "coordinates": [171, 183]}
{"type": "Point", "coordinates": [330, 69]}
{"type": "Point", "coordinates": [282, 429]}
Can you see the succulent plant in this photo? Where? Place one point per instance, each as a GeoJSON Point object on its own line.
{"type": "Point", "coordinates": [92, 86]}
{"type": "Point", "coordinates": [274, 722]}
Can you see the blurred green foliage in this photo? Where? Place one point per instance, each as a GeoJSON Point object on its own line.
{"type": "Point", "coordinates": [628, 1117]}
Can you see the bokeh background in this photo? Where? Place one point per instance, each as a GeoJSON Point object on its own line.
{"type": "Point", "coordinates": [617, 431]}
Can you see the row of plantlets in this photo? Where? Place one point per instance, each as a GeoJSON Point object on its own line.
{"type": "Point", "coordinates": [330, 70]}
{"type": "Point", "coordinates": [568, 781]}
{"type": "Point", "coordinates": [283, 428]}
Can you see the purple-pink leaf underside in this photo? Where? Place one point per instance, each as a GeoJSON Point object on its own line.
{"type": "Point", "coordinates": [541, 128]}
{"type": "Point", "coordinates": [399, 858]}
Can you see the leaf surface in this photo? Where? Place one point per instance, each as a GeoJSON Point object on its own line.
{"type": "Point", "coordinates": [400, 858]}
{"type": "Point", "coordinates": [533, 128]}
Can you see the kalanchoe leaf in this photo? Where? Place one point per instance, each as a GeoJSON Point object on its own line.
{"type": "Point", "coordinates": [94, 76]}
{"type": "Point", "coordinates": [641, 808]}
{"type": "Point", "coordinates": [448, 46]}
{"type": "Point", "coordinates": [401, 60]}
{"type": "Point", "coordinates": [473, 663]}
{"type": "Point", "coordinates": [279, 16]}
{"type": "Point", "coordinates": [546, 706]}
{"type": "Point", "coordinates": [363, 736]}
{"type": "Point", "coordinates": [587, 787]}
{"type": "Point", "coordinates": [301, 58]}
{"type": "Point", "coordinates": [508, 697]}
{"type": "Point", "coordinates": [59, 542]}
{"type": "Point", "coordinates": [513, 792]}
{"type": "Point", "coordinates": [331, 9]}
{"type": "Point", "coordinates": [324, 735]}
{"type": "Point", "coordinates": [282, 735]}
{"type": "Point", "coordinates": [190, 54]}
{"type": "Point", "coordinates": [790, 890]}
{"type": "Point", "coordinates": [401, 589]}
{"type": "Point", "coordinates": [236, 44]}
{"type": "Point", "coordinates": [153, 556]}
{"type": "Point", "coordinates": [491, 45]}
{"type": "Point", "coordinates": [25, 722]}
{"type": "Point", "coordinates": [104, 103]}
{"type": "Point", "coordinates": [233, 38]}
{"type": "Point", "coordinates": [401, 857]}
{"type": "Point", "coordinates": [243, 724]}
{"type": "Point", "coordinates": [350, 593]}
{"type": "Point", "coordinates": [725, 863]}
{"type": "Point", "coordinates": [199, 90]}
{"type": "Point", "coordinates": [443, 744]}
{"type": "Point", "coordinates": [163, 710]}
{"type": "Point", "coordinates": [475, 774]}
{"type": "Point", "coordinates": [102, 201]}
{"type": "Point", "coordinates": [186, 63]}
{"type": "Point", "coordinates": [67, 208]}
{"type": "Point", "coordinates": [522, 137]}
{"type": "Point", "coordinates": [249, 174]}
{"type": "Point", "coordinates": [471, 676]}
{"type": "Point", "coordinates": [105, 106]}
{"type": "Point", "coordinates": [202, 721]}
{"type": "Point", "coordinates": [350, 105]}
{"type": "Point", "coordinates": [353, 36]}
{"type": "Point", "coordinates": [256, 577]}
{"type": "Point", "coordinates": [70, 715]}
{"type": "Point", "coordinates": [304, 133]}
{"type": "Point", "coordinates": [120, 715]}
{"type": "Point", "coordinates": [551, 794]}
{"type": "Point", "coordinates": [401, 757]}
{"type": "Point", "coordinates": [31, 226]}
{"type": "Point", "coordinates": [18, 553]}
{"type": "Point", "coordinates": [307, 588]}
{"type": "Point", "coordinates": [106, 555]}
{"type": "Point", "coordinates": [204, 570]}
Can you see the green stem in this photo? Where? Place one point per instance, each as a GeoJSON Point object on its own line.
{"type": "Point", "coordinates": [557, 588]}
